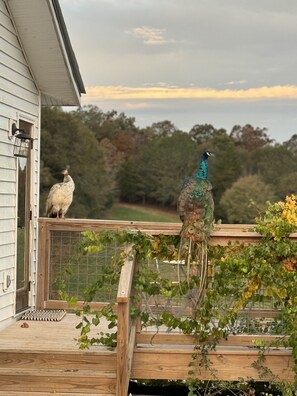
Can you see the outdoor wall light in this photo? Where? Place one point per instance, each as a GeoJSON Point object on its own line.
{"type": "Point", "coordinates": [23, 143]}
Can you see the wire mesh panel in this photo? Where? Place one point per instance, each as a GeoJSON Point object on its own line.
{"type": "Point", "coordinates": [257, 317]}
{"type": "Point", "coordinates": [164, 300]}
{"type": "Point", "coordinates": [71, 270]}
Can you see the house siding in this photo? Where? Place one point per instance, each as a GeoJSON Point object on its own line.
{"type": "Point", "coordinates": [19, 99]}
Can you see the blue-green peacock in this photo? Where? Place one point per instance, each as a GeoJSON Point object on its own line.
{"type": "Point", "coordinates": [196, 211]}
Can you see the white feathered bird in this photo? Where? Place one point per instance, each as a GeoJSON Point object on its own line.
{"type": "Point", "coordinates": [60, 197]}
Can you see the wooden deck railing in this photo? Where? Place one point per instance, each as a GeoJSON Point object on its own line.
{"type": "Point", "coordinates": [128, 332]}
{"type": "Point", "coordinates": [220, 236]}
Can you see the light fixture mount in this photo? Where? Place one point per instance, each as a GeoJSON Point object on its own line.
{"type": "Point", "coordinates": [23, 142]}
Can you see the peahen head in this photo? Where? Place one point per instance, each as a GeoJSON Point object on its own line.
{"type": "Point", "coordinates": [202, 172]}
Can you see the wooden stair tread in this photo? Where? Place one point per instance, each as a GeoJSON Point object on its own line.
{"type": "Point", "coordinates": [22, 393]}
{"type": "Point", "coordinates": [51, 372]}
{"type": "Point", "coordinates": [100, 351]}
{"type": "Point", "coordinates": [45, 361]}
{"type": "Point", "coordinates": [81, 383]}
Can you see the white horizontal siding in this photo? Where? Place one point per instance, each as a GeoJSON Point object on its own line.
{"type": "Point", "coordinates": [12, 91]}
{"type": "Point", "coordinates": [11, 51]}
{"type": "Point", "coordinates": [7, 237]}
{"type": "Point", "coordinates": [19, 80]}
{"type": "Point", "coordinates": [6, 198]}
{"type": "Point", "coordinates": [19, 99]}
{"type": "Point", "coordinates": [7, 300]}
{"type": "Point", "coordinates": [6, 263]}
{"type": "Point", "coordinates": [36, 23]}
{"type": "Point", "coordinates": [19, 66]}
{"type": "Point", "coordinates": [9, 225]}
{"type": "Point", "coordinates": [7, 312]}
{"type": "Point", "coordinates": [6, 148]}
{"type": "Point", "coordinates": [7, 250]}
{"type": "Point", "coordinates": [3, 9]}
{"type": "Point", "coordinates": [6, 161]}
{"type": "Point", "coordinates": [8, 211]}
{"type": "Point", "coordinates": [7, 175]}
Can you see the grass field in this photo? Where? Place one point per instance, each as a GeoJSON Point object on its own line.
{"type": "Point", "coordinates": [131, 212]}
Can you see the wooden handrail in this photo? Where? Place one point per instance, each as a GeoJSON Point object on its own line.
{"type": "Point", "coordinates": [125, 337]}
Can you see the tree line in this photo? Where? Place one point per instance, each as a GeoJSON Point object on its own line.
{"type": "Point", "coordinates": [111, 159]}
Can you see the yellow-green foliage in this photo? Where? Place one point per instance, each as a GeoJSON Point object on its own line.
{"type": "Point", "coordinates": [241, 275]}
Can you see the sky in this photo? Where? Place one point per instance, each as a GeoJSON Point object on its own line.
{"type": "Point", "coordinates": [219, 62]}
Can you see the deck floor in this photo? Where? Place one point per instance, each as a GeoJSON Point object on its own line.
{"type": "Point", "coordinates": [37, 336]}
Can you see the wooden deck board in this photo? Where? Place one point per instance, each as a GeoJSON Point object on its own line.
{"type": "Point", "coordinates": [42, 393]}
{"type": "Point", "coordinates": [43, 357]}
{"type": "Point", "coordinates": [45, 335]}
{"type": "Point", "coordinates": [230, 364]}
{"type": "Point", "coordinates": [74, 384]}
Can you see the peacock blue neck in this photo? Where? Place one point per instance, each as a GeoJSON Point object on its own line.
{"type": "Point", "coordinates": [202, 172]}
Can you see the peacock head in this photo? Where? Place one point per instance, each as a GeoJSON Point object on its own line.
{"type": "Point", "coordinates": [202, 172]}
{"type": "Point", "coordinates": [206, 154]}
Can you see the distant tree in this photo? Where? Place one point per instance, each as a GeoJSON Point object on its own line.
{"type": "Point", "coordinates": [119, 129]}
{"type": "Point", "coordinates": [155, 173]}
{"type": "Point", "coordinates": [202, 133]}
{"type": "Point", "coordinates": [250, 138]}
{"type": "Point", "coordinates": [272, 163]}
{"type": "Point", "coordinates": [242, 201]}
{"type": "Point", "coordinates": [111, 157]}
{"type": "Point", "coordinates": [134, 177]}
{"type": "Point", "coordinates": [148, 134]}
{"type": "Point", "coordinates": [291, 144]}
{"type": "Point", "coordinates": [91, 116]}
{"type": "Point", "coordinates": [163, 128]}
{"type": "Point", "coordinates": [286, 185]}
{"type": "Point", "coordinates": [65, 140]}
{"type": "Point", "coordinates": [175, 158]}
{"type": "Point", "coordinates": [224, 168]}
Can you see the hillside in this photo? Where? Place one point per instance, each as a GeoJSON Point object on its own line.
{"type": "Point", "coordinates": [133, 212]}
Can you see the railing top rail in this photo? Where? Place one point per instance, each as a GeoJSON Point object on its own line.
{"type": "Point", "coordinates": [221, 235]}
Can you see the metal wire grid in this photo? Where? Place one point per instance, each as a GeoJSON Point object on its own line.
{"type": "Point", "coordinates": [73, 272]}
{"type": "Point", "coordinates": [258, 317]}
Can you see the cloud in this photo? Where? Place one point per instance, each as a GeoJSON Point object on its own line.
{"type": "Point", "coordinates": [150, 36]}
{"type": "Point", "coordinates": [239, 82]}
{"type": "Point", "coordinates": [137, 105]}
{"type": "Point", "coordinates": [171, 92]}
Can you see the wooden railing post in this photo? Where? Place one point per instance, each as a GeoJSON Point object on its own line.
{"type": "Point", "coordinates": [122, 348]}
{"type": "Point", "coordinates": [125, 337]}
{"type": "Point", "coordinates": [42, 264]}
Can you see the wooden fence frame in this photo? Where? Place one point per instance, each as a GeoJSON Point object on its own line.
{"type": "Point", "coordinates": [220, 236]}
{"type": "Point", "coordinates": [128, 332]}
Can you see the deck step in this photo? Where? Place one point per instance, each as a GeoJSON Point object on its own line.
{"type": "Point", "coordinates": [45, 360]}
{"type": "Point", "coordinates": [56, 381]}
{"type": "Point", "coordinates": [22, 393]}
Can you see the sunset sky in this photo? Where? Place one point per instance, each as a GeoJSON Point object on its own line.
{"type": "Point", "coordinates": [221, 62]}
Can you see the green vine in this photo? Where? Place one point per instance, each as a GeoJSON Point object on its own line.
{"type": "Point", "coordinates": [241, 276]}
